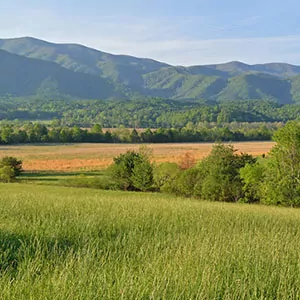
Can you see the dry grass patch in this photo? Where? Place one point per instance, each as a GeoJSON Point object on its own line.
{"type": "Point", "coordinates": [73, 157]}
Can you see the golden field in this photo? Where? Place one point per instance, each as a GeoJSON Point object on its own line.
{"type": "Point", "coordinates": [74, 157]}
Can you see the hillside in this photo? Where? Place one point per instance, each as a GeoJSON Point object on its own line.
{"type": "Point", "coordinates": [119, 68]}
{"type": "Point", "coordinates": [21, 76]}
{"type": "Point", "coordinates": [237, 68]}
{"type": "Point", "coordinates": [257, 86]}
{"type": "Point", "coordinates": [87, 73]}
{"type": "Point", "coordinates": [178, 83]}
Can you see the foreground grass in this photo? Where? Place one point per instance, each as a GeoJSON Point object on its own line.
{"type": "Point", "coordinates": [65, 243]}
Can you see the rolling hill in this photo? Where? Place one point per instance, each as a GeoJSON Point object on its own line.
{"type": "Point", "coordinates": [257, 86]}
{"type": "Point", "coordinates": [78, 71]}
{"type": "Point", "coordinates": [21, 76]}
{"type": "Point", "coordinates": [119, 68]}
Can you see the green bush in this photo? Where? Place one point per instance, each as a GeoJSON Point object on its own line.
{"type": "Point", "coordinates": [7, 174]}
{"type": "Point", "coordinates": [142, 175]}
{"type": "Point", "coordinates": [122, 169]}
{"type": "Point", "coordinates": [252, 176]}
{"type": "Point", "coordinates": [12, 162]}
{"type": "Point", "coordinates": [132, 171]}
{"type": "Point", "coordinates": [282, 175]}
{"type": "Point", "coordinates": [215, 178]}
{"type": "Point", "coordinates": [164, 174]}
{"type": "Point", "coordinates": [183, 183]}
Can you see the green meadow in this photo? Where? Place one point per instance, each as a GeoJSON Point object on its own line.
{"type": "Point", "coordinates": [74, 243]}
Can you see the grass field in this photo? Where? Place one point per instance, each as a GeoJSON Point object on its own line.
{"type": "Point", "coordinates": [86, 157]}
{"type": "Point", "coordinates": [65, 243]}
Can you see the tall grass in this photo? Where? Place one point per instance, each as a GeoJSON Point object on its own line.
{"type": "Point", "coordinates": [65, 243]}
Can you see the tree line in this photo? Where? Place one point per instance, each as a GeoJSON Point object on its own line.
{"type": "Point", "coordinates": [11, 133]}
{"type": "Point", "coordinates": [224, 175]}
{"type": "Point", "coordinates": [144, 113]}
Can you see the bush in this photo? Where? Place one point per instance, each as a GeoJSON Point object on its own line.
{"type": "Point", "coordinates": [252, 176]}
{"type": "Point", "coordinates": [142, 175]}
{"type": "Point", "coordinates": [7, 174]}
{"type": "Point", "coordinates": [184, 183]}
{"type": "Point", "coordinates": [13, 163]}
{"type": "Point", "coordinates": [215, 178]}
{"type": "Point", "coordinates": [282, 175]}
{"type": "Point", "coordinates": [165, 174]}
{"type": "Point", "coordinates": [121, 170]}
{"type": "Point", "coordinates": [133, 171]}
{"type": "Point", "coordinates": [221, 177]}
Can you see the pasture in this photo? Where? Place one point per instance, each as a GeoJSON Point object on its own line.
{"type": "Point", "coordinates": [87, 157]}
{"type": "Point", "coordinates": [66, 243]}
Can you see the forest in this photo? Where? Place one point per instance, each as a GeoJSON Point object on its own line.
{"type": "Point", "coordinates": [21, 133]}
{"type": "Point", "coordinates": [143, 113]}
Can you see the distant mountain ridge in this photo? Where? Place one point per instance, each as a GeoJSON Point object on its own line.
{"type": "Point", "coordinates": [88, 73]}
{"type": "Point", "coordinates": [22, 76]}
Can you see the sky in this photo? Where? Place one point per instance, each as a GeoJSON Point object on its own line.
{"type": "Point", "coordinates": [190, 32]}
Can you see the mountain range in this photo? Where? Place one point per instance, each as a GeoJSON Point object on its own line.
{"type": "Point", "coordinates": [30, 66]}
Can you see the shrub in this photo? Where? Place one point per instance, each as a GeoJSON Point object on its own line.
{"type": "Point", "coordinates": [132, 170]}
{"type": "Point", "coordinates": [13, 163]}
{"type": "Point", "coordinates": [252, 176]}
{"type": "Point", "coordinates": [121, 170]}
{"type": "Point", "coordinates": [220, 179]}
{"type": "Point", "coordinates": [215, 178]}
{"type": "Point", "coordinates": [185, 183]}
{"type": "Point", "coordinates": [165, 174]}
{"type": "Point", "coordinates": [142, 175]}
{"type": "Point", "coordinates": [282, 175]}
{"type": "Point", "coordinates": [7, 174]}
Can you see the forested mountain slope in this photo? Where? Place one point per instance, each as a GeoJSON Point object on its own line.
{"type": "Point", "coordinates": [21, 76]}
{"type": "Point", "coordinates": [82, 72]}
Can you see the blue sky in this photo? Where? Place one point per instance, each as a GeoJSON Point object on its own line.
{"type": "Point", "coordinates": [186, 32]}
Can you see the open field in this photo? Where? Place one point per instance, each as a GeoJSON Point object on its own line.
{"type": "Point", "coordinates": [65, 243]}
{"type": "Point", "coordinates": [80, 157]}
